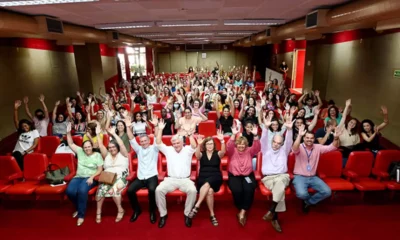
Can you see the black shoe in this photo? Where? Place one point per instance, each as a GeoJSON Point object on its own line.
{"type": "Point", "coordinates": [135, 216]}
{"type": "Point", "coordinates": [188, 221]}
{"type": "Point", "coordinates": [162, 221]}
{"type": "Point", "coordinates": [305, 207]}
{"type": "Point", "coordinates": [153, 217]}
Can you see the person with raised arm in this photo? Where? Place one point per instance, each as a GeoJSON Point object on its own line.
{"type": "Point", "coordinates": [115, 161]}
{"type": "Point", "coordinates": [242, 181]}
{"type": "Point", "coordinates": [147, 173]}
{"type": "Point", "coordinates": [28, 137]}
{"type": "Point", "coordinates": [179, 163]}
{"type": "Point", "coordinates": [41, 118]}
{"type": "Point", "coordinates": [371, 133]}
{"type": "Point", "coordinates": [307, 158]}
{"type": "Point", "coordinates": [210, 176]}
{"type": "Point", "coordinates": [90, 165]}
{"type": "Point", "coordinates": [274, 168]}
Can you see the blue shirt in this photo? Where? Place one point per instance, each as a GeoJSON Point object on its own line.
{"type": "Point", "coordinates": [147, 160]}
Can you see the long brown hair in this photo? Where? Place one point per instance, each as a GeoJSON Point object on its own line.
{"type": "Point", "coordinates": [205, 141]}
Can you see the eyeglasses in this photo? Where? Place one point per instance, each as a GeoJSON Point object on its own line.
{"type": "Point", "coordinates": [187, 112]}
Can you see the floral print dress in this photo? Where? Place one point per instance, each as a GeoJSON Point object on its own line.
{"type": "Point", "coordinates": [118, 165]}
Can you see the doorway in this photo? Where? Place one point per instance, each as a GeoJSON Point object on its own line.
{"type": "Point", "coordinates": [299, 58]}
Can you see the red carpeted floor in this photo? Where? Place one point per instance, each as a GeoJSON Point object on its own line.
{"type": "Point", "coordinates": [347, 217]}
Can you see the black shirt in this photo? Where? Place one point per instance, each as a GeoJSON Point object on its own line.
{"type": "Point", "coordinates": [226, 124]}
{"type": "Point", "coordinates": [321, 134]}
{"type": "Point", "coordinates": [250, 137]}
{"type": "Point", "coordinates": [284, 67]}
{"type": "Point", "coordinates": [167, 129]}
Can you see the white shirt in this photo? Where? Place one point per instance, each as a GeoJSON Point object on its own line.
{"type": "Point", "coordinates": [179, 164]}
{"type": "Point", "coordinates": [151, 99]}
{"type": "Point", "coordinates": [41, 125]}
{"type": "Point", "coordinates": [26, 140]}
{"type": "Point", "coordinates": [117, 165]}
{"type": "Point", "coordinates": [139, 127]}
{"type": "Point", "coordinates": [309, 111]}
{"type": "Point", "coordinates": [147, 160]}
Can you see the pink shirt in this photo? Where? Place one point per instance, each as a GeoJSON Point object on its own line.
{"type": "Point", "coordinates": [240, 163]}
{"type": "Point", "coordinates": [302, 159]}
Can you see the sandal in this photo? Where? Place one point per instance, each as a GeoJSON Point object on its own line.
{"type": "Point", "coordinates": [79, 222]}
{"type": "Point", "coordinates": [241, 220]}
{"type": "Point", "coordinates": [75, 214]}
{"type": "Point", "coordinates": [193, 213]}
{"type": "Point", "coordinates": [120, 216]}
{"type": "Point", "coordinates": [214, 221]}
{"type": "Point", "coordinates": [98, 217]}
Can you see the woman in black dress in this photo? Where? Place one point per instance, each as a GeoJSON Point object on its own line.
{"type": "Point", "coordinates": [210, 176]}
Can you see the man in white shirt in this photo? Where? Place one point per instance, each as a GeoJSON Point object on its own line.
{"type": "Point", "coordinates": [179, 161]}
{"type": "Point", "coordinates": [274, 168]}
{"type": "Point", "coordinates": [147, 174]}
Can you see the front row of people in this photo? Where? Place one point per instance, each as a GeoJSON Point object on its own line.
{"type": "Point", "coordinates": [241, 181]}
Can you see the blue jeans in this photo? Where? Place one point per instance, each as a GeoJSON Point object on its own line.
{"type": "Point", "coordinates": [302, 183]}
{"type": "Point", "coordinates": [77, 192]}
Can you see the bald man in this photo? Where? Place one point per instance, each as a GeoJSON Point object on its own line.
{"type": "Point", "coordinates": [274, 169]}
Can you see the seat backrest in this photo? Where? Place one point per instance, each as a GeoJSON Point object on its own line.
{"type": "Point", "coordinates": [385, 157]}
{"type": "Point", "coordinates": [77, 140]}
{"type": "Point", "coordinates": [360, 163]}
{"type": "Point", "coordinates": [218, 143]}
{"type": "Point", "coordinates": [8, 167]}
{"type": "Point", "coordinates": [151, 137]}
{"type": "Point", "coordinates": [207, 128]}
{"type": "Point", "coordinates": [157, 113]}
{"type": "Point", "coordinates": [330, 164]}
{"type": "Point", "coordinates": [49, 145]}
{"type": "Point", "coordinates": [34, 166]}
{"type": "Point", "coordinates": [166, 139]}
{"type": "Point", "coordinates": [127, 107]}
{"type": "Point", "coordinates": [212, 115]}
{"type": "Point", "coordinates": [64, 160]}
{"type": "Point", "coordinates": [291, 162]}
{"type": "Point", "coordinates": [106, 139]}
{"type": "Point", "coordinates": [157, 106]}
{"type": "Point", "coordinates": [259, 162]}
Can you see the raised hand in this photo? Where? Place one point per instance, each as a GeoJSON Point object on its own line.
{"type": "Point", "coordinates": [154, 121]}
{"type": "Point", "coordinates": [254, 130]}
{"type": "Point", "coordinates": [235, 130]}
{"type": "Point", "coordinates": [58, 103]}
{"type": "Point", "coordinates": [69, 127]}
{"type": "Point", "coordinates": [79, 93]}
{"type": "Point", "coordinates": [302, 130]}
{"type": "Point", "coordinates": [316, 93]}
{"type": "Point", "coordinates": [220, 135]}
{"type": "Point", "coordinates": [277, 97]}
{"type": "Point", "coordinates": [128, 121]}
{"type": "Point", "coordinates": [317, 111]}
{"type": "Point", "coordinates": [288, 123]}
{"type": "Point", "coordinates": [111, 130]}
{"type": "Point", "coordinates": [98, 129]}
{"type": "Point", "coordinates": [110, 114]}
{"type": "Point", "coordinates": [161, 124]}
{"type": "Point", "coordinates": [348, 102]}
{"type": "Point", "coordinates": [384, 110]}
{"type": "Point", "coordinates": [199, 139]}
{"type": "Point", "coordinates": [41, 98]}
{"type": "Point", "coordinates": [287, 107]}
{"type": "Point", "coordinates": [26, 100]}
{"type": "Point", "coordinates": [89, 99]}
{"type": "Point", "coordinates": [17, 104]}
{"type": "Point", "coordinates": [338, 132]}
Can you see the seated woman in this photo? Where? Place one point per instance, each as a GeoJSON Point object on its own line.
{"type": "Point", "coordinates": [226, 120]}
{"type": "Point", "coordinates": [91, 136]}
{"type": "Point", "coordinates": [241, 179]}
{"type": "Point", "coordinates": [28, 137]}
{"type": "Point", "coordinates": [139, 125]}
{"type": "Point", "coordinates": [115, 161]}
{"type": "Point", "coordinates": [90, 165]}
{"type": "Point", "coordinates": [79, 119]}
{"type": "Point", "coordinates": [370, 132]}
{"type": "Point", "coordinates": [59, 122]}
{"type": "Point", "coordinates": [210, 176]}
{"type": "Point", "coordinates": [334, 114]}
{"type": "Point", "coordinates": [121, 130]}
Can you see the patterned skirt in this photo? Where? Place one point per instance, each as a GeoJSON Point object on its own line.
{"type": "Point", "coordinates": [114, 190]}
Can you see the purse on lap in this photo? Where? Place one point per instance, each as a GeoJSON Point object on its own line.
{"type": "Point", "coordinates": [107, 178]}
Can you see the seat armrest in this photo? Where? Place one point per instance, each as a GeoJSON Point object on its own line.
{"type": "Point", "coordinates": [322, 175]}
{"type": "Point", "coordinates": [69, 176]}
{"type": "Point", "coordinates": [350, 175]}
{"type": "Point", "coordinates": [14, 176]}
{"type": "Point", "coordinates": [291, 176]}
{"type": "Point", "coordinates": [380, 174]}
{"type": "Point", "coordinates": [193, 175]}
{"type": "Point", "coordinates": [257, 175]}
{"type": "Point", "coordinates": [97, 177]}
{"type": "Point", "coordinates": [41, 177]}
{"type": "Point", "coordinates": [161, 176]}
{"type": "Point", "coordinates": [131, 176]}
{"type": "Point", "coordinates": [225, 175]}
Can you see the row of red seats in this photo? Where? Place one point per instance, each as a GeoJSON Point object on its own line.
{"type": "Point", "coordinates": [361, 172]}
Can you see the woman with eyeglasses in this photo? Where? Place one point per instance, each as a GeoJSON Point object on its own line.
{"type": "Point", "coordinates": [185, 123]}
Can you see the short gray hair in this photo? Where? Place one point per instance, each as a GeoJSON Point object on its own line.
{"type": "Point", "coordinates": [144, 135]}
{"type": "Point", "coordinates": [177, 137]}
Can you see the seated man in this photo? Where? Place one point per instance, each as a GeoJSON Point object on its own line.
{"type": "Point", "coordinates": [305, 168]}
{"type": "Point", "coordinates": [274, 168]}
{"type": "Point", "coordinates": [147, 174]}
{"type": "Point", "coordinates": [179, 163]}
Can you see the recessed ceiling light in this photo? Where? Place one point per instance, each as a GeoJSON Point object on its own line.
{"type": "Point", "coordinates": [187, 23]}
{"type": "Point", "coordinates": [40, 2]}
{"type": "Point", "coordinates": [196, 34]}
{"type": "Point", "coordinates": [254, 22]}
{"type": "Point", "coordinates": [125, 25]}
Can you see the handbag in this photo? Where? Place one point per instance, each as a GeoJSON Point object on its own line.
{"type": "Point", "coordinates": [57, 176]}
{"type": "Point", "coordinates": [107, 178]}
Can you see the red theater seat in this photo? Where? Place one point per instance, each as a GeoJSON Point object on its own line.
{"type": "Point", "coordinates": [157, 113]}
{"type": "Point", "coordinates": [358, 169]}
{"type": "Point", "coordinates": [34, 166]}
{"type": "Point", "coordinates": [330, 171]}
{"type": "Point", "coordinates": [208, 128]}
{"type": "Point", "coordinates": [61, 160]}
{"type": "Point", "coordinates": [78, 140]}
{"type": "Point", "coordinates": [157, 106]}
{"type": "Point", "coordinates": [381, 166]}
{"type": "Point", "coordinates": [212, 115]}
{"type": "Point", "coordinates": [9, 171]}
{"type": "Point", "coordinates": [224, 159]}
{"type": "Point", "coordinates": [49, 145]}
